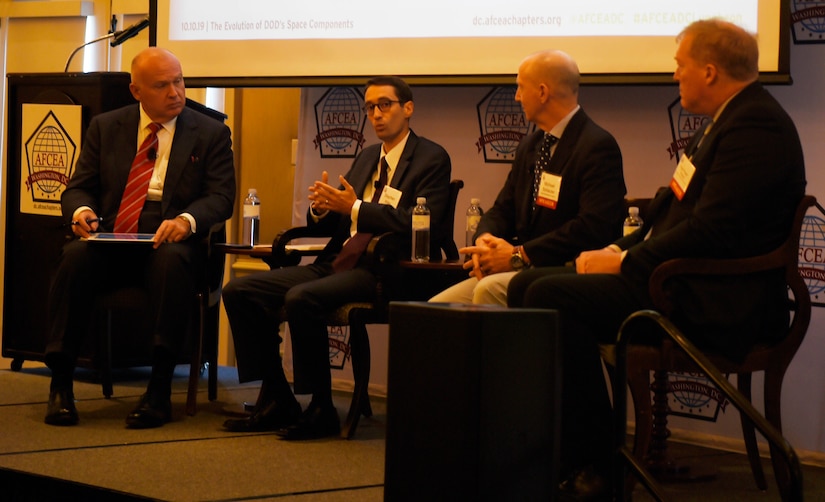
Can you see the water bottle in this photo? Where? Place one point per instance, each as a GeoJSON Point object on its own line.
{"type": "Point", "coordinates": [251, 218]}
{"type": "Point", "coordinates": [474, 213]}
{"type": "Point", "coordinates": [632, 222]}
{"type": "Point", "coordinates": [421, 231]}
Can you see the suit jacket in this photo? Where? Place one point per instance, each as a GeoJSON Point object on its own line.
{"type": "Point", "coordinates": [749, 178]}
{"type": "Point", "coordinates": [590, 208]}
{"type": "Point", "coordinates": [200, 177]}
{"type": "Point", "coordinates": [423, 170]}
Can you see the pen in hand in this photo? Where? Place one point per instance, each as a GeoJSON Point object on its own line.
{"type": "Point", "coordinates": [89, 221]}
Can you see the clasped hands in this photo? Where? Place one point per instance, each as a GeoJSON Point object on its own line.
{"type": "Point", "coordinates": [172, 230]}
{"type": "Point", "coordinates": [325, 197]}
{"type": "Point", "coordinates": [491, 255]}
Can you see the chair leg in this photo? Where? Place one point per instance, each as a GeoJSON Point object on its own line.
{"type": "Point", "coordinates": [213, 377]}
{"type": "Point", "coordinates": [105, 349]}
{"type": "Point", "coordinates": [360, 357]}
{"type": "Point", "coordinates": [195, 363]}
{"type": "Point", "coordinates": [639, 383]}
{"type": "Point", "coordinates": [212, 353]}
{"type": "Point", "coordinates": [773, 413]}
{"type": "Point", "coordinates": [743, 382]}
{"type": "Point", "coordinates": [659, 462]}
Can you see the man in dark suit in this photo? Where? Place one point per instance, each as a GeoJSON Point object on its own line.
{"type": "Point", "coordinates": [416, 167]}
{"type": "Point", "coordinates": [188, 186]}
{"type": "Point", "coordinates": [576, 202]}
{"type": "Point", "coordinates": [733, 195]}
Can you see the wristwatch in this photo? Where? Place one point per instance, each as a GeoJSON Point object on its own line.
{"type": "Point", "coordinates": [517, 259]}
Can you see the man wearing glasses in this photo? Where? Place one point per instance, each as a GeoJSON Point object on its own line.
{"type": "Point", "coordinates": [377, 195]}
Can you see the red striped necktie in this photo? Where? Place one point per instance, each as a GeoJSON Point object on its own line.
{"type": "Point", "coordinates": [137, 185]}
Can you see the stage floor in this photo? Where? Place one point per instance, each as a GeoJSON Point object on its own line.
{"type": "Point", "coordinates": [194, 459]}
{"type": "Point", "coordinates": [191, 458]}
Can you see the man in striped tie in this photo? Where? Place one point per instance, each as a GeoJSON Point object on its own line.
{"type": "Point", "coordinates": [155, 167]}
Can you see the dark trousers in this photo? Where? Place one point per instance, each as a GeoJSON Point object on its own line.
{"type": "Point", "coordinates": [86, 269]}
{"type": "Point", "coordinates": [591, 308]}
{"type": "Point", "coordinates": [254, 304]}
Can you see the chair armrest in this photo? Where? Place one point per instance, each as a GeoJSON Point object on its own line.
{"type": "Point", "coordinates": [384, 254]}
{"type": "Point", "coordinates": [707, 267]}
{"type": "Point", "coordinates": [215, 257]}
{"type": "Point", "coordinates": [284, 256]}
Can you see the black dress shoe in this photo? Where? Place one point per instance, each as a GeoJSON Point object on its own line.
{"type": "Point", "coordinates": [586, 485]}
{"type": "Point", "coordinates": [150, 412]}
{"type": "Point", "coordinates": [270, 417]}
{"type": "Point", "coordinates": [316, 422]}
{"type": "Point", "coordinates": [61, 409]}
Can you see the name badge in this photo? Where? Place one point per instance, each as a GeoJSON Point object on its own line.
{"type": "Point", "coordinates": [682, 177]}
{"type": "Point", "coordinates": [390, 196]}
{"type": "Point", "coordinates": [549, 189]}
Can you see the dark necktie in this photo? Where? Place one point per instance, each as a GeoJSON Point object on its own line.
{"type": "Point", "coordinates": [357, 244]}
{"type": "Point", "coordinates": [542, 163]}
{"type": "Point", "coordinates": [137, 185]}
{"type": "Point", "coordinates": [703, 133]}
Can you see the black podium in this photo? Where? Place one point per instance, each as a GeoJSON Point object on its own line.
{"type": "Point", "coordinates": [42, 149]}
{"type": "Point", "coordinates": [472, 403]}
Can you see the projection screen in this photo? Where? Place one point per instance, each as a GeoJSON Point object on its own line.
{"type": "Point", "coordinates": [333, 42]}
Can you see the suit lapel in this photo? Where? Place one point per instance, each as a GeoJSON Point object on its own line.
{"type": "Point", "coordinates": [126, 146]}
{"type": "Point", "coordinates": [404, 160]}
{"type": "Point", "coordinates": [561, 155]}
{"type": "Point", "coordinates": [360, 180]}
{"type": "Point", "coordinates": [565, 146]}
{"type": "Point", "coordinates": [183, 144]}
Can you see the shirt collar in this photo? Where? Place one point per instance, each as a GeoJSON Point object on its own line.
{"type": "Point", "coordinates": [394, 155]}
{"type": "Point", "coordinates": [561, 125]}
{"type": "Point", "coordinates": [145, 121]}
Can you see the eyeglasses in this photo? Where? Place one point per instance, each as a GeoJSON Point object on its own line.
{"type": "Point", "coordinates": [384, 105]}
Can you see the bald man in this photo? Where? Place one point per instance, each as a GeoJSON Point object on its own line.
{"type": "Point", "coordinates": [188, 187]}
{"type": "Point", "coordinates": [554, 205]}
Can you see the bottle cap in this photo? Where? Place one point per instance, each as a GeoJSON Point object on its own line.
{"type": "Point", "coordinates": [421, 201]}
{"type": "Point", "coordinates": [633, 210]}
{"type": "Point", "coordinates": [253, 191]}
{"type": "Point", "coordinates": [475, 201]}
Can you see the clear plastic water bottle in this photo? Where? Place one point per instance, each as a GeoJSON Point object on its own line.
{"type": "Point", "coordinates": [632, 222]}
{"type": "Point", "coordinates": [474, 213]}
{"type": "Point", "coordinates": [421, 231]}
{"type": "Point", "coordinates": [251, 218]}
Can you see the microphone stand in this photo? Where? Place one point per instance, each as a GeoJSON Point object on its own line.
{"type": "Point", "coordinates": [98, 39]}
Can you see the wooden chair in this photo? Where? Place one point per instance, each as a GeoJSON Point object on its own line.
{"type": "Point", "coordinates": [773, 359]}
{"type": "Point", "coordinates": [132, 303]}
{"type": "Point", "coordinates": [397, 279]}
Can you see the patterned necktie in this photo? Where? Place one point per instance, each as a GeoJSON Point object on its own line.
{"type": "Point", "coordinates": [542, 163]}
{"type": "Point", "coordinates": [137, 185]}
{"type": "Point", "coordinates": [357, 244]}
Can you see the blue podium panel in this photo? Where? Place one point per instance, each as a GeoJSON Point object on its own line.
{"type": "Point", "coordinates": [472, 401]}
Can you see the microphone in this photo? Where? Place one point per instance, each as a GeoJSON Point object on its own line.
{"type": "Point", "coordinates": [119, 38]}
{"type": "Point", "coordinates": [131, 31]}
{"type": "Point", "coordinates": [151, 154]}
